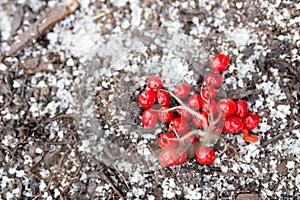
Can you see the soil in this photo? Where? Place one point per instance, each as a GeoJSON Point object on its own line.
{"type": "Point", "coordinates": [69, 119]}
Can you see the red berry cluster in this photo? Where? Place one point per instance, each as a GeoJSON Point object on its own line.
{"type": "Point", "coordinates": [195, 115]}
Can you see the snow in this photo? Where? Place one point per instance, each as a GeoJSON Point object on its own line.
{"type": "Point", "coordinates": [3, 67]}
{"type": "Point", "coordinates": [290, 164]}
{"type": "Point", "coordinates": [169, 188]}
{"type": "Point", "coordinates": [16, 84]}
{"type": "Point", "coordinates": [80, 37]}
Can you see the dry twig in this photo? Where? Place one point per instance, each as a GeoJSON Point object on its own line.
{"type": "Point", "coordinates": [278, 136]}
{"type": "Point", "coordinates": [102, 14]}
{"type": "Point", "coordinates": [109, 181]}
{"type": "Point", "coordinates": [44, 190]}
{"type": "Point", "coordinates": [42, 25]}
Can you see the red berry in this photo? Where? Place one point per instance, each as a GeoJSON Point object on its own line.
{"type": "Point", "coordinates": [251, 121]}
{"type": "Point", "coordinates": [205, 155]}
{"type": "Point", "coordinates": [194, 101]}
{"type": "Point", "coordinates": [185, 114]}
{"type": "Point", "coordinates": [154, 82]}
{"type": "Point", "coordinates": [241, 108]}
{"type": "Point", "coordinates": [163, 98]}
{"type": "Point", "coordinates": [149, 118]}
{"type": "Point", "coordinates": [147, 98]}
{"type": "Point", "coordinates": [208, 93]}
{"type": "Point", "coordinates": [182, 90]}
{"type": "Point", "coordinates": [233, 124]}
{"type": "Point", "coordinates": [226, 105]}
{"type": "Point", "coordinates": [213, 79]}
{"type": "Point", "coordinates": [179, 125]}
{"type": "Point", "coordinates": [168, 156]}
{"type": "Point", "coordinates": [182, 158]}
{"type": "Point", "coordinates": [165, 116]}
{"type": "Point", "coordinates": [219, 63]}
{"type": "Point", "coordinates": [198, 121]}
{"type": "Point", "coordinates": [207, 108]}
{"type": "Point", "coordinates": [164, 140]}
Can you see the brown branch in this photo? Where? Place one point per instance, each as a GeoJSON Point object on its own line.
{"type": "Point", "coordinates": [109, 181]}
{"type": "Point", "coordinates": [44, 190]}
{"type": "Point", "coordinates": [102, 14]}
{"type": "Point", "coordinates": [51, 17]}
{"type": "Point", "coordinates": [226, 148]}
{"type": "Point", "coordinates": [278, 136]}
{"type": "Point", "coordinates": [121, 176]}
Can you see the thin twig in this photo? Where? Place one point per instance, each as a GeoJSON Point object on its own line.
{"type": "Point", "coordinates": [279, 135]}
{"type": "Point", "coordinates": [42, 25]}
{"type": "Point", "coordinates": [188, 109]}
{"type": "Point", "coordinates": [109, 181]}
{"type": "Point", "coordinates": [3, 191]}
{"type": "Point", "coordinates": [100, 15]}
{"type": "Point", "coordinates": [44, 190]}
{"type": "Point", "coordinates": [21, 188]}
{"type": "Point", "coordinates": [226, 148]}
{"type": "Point", "coordinates": [122, 177]}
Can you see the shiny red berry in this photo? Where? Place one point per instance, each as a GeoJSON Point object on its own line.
{"type": "Point", "coordinates": [213, 79]}
{"type": "Point", "coordinates": [163, 98]}
{"type": "Point", "coordinates": [194, 101]}
{"type": "Point", "coordinates": [219, 63]}
{"type": "Point", "coordinates": [201, 120]}
{"type": "Point", "coordinates": [149, 118]}
{"type": "Point", "coordinates": [233, 124]}
{"type": "Point", "coordinates": [182, 158]}
{"type": "Point", "coordinates": [205, 155]}
{"type": "Point", "coordinates": [164, 115]}
{"type": "Point", "coordinates": [154, 82]}
{"type": "Point", "coordinates": [251, 121]}
{"type": "Point", "coordinates": [166, 139]}
{"type": "Point", "coordinates": [241, 108]}
{"type": "Point", "coordinates": [208, 93]}
{"type": "Point", "coordinates": [182, 90]}
{"type": "Point", "coordinates": [147, 98]}
{"type": "Point", "coordinates": [209, 107]}
{"type": "Point", "coordinates": [168, 156]}
{"type": "Point", "coordinates": [185, 114]}
{"type": "Point", "coordinates": [179, 125]}
{"type": "Point", "coordinates": [227, 106]}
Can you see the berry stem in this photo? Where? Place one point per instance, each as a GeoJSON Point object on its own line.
{"type": "Point", "coordinates": [204, 99]}
{"type": "Point", "coordinates": [226, 148]}
{"type": "Point", "coordinates": [191, 133]}
{"type": "Point", "coordinates": [173, 108]}
{"type": "Point", "coordinates": [191, 111]}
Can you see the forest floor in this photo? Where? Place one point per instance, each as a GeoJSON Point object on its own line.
{"type": "Point", "coordinates": [70, 76]}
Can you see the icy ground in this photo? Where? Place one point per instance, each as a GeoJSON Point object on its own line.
{"type": "Point", "coordinates": [105, 63]}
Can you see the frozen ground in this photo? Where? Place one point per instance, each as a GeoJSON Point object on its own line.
{"type": "Point", "coordinates": [74, 133]}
